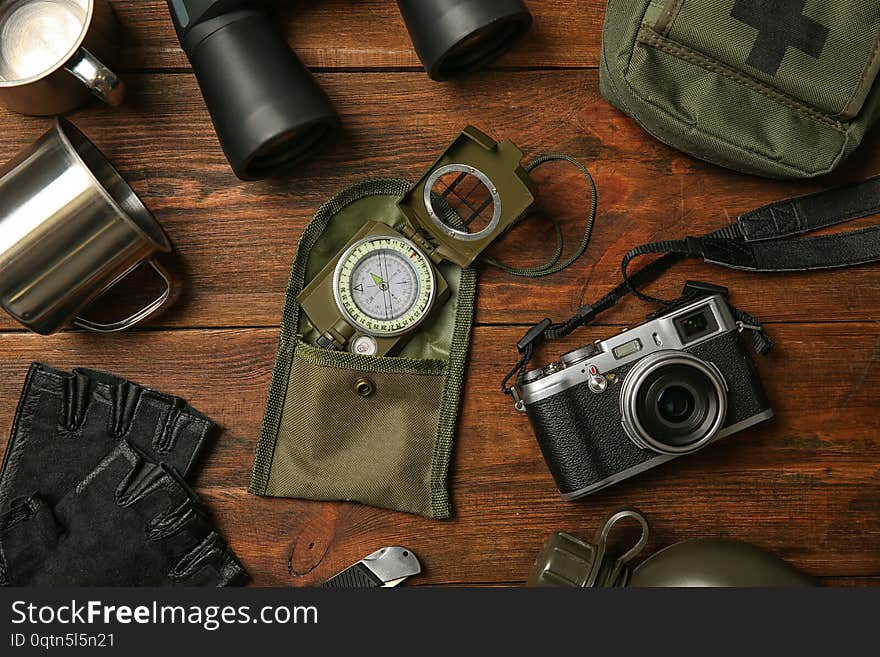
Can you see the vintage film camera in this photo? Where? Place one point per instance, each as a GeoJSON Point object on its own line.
{"type": "Point", "coordinates": [610, 410]}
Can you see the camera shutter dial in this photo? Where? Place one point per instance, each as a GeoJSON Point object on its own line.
{"type": "Point", "coordinates": [578, 355]}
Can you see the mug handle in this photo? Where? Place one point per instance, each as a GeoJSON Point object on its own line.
{"type": "Point", "coordinates": [145, 313]}
{"type": "Point", "coordinates": [103, 82]}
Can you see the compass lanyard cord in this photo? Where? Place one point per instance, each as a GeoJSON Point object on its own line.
{"type": "Point", "coordinates": [758, 242]}
{"type": "Point", "coordinates": [554, 266]}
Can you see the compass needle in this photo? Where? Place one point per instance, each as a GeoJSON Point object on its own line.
{"type": "Point", "coordinates": [367, 274]}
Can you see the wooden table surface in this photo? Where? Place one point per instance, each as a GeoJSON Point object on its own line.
{"type": "Point", "coordinates": [806, 486]}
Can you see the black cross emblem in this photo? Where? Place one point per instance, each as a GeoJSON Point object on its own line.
{"type": "Point", "coordinates": [780, 24]}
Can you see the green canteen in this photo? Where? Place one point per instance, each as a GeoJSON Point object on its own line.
{"type": "Point", "coordinates": [566, 560]}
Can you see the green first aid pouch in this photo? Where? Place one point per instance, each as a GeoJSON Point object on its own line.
{"type": "Point", "coordinates": [345, 425]}
{"type": "Point", "coordinates": [778, 88]}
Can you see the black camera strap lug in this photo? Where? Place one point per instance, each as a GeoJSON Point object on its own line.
{"type": "Point", "coordinates": [742, 326]}
{"type": "Point", "coordinates": [518, 404]}
{"type": "Point", "coordinates": [745, 322]}
{"type": "Point", "coordinates": [758, 241]}
{"type": "Point", "coordinates": [693, 290]}
{"type": "Point", "coordinates": [537, 331]}
{"type": "Point", "coordinates": [698, 289]}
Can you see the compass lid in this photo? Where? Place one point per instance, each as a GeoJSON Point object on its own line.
{"type": "Point", "coordinates": [475, 192]}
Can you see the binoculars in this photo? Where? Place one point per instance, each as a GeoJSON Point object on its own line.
{"type": "Point", "coordinates": [267, 109]}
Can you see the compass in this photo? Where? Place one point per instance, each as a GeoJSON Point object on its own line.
{"type": "Point", "coordinates": [376, 290]}
{"type": "Point", "coordinates": [384, 285]}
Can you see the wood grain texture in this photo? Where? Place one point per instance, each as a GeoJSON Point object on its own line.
{"type": "Point", "coordinates": [235, 241]}
{"type": "Point", "coordinates": [566, 33]}
{"type": "Point", "coordinates": [806, 486]}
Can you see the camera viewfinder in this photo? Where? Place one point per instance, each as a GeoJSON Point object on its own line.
{"type": "Point", "coordinates": [696, 325]}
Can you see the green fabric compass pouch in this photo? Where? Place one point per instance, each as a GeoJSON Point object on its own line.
{"type": "Point", "coordinates": [376, 328]}
{"type": "Point", "coordinates": [778, 88]}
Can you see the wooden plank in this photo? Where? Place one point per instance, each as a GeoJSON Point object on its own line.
{"type": "Point", "coordinates": [850, 582]}
{"type": "Point", "coordinates": [804, 486]}
{"type": "Point", "coordinates": [566, 33]}
{"type": "Point", "coordinates": [236, 240]}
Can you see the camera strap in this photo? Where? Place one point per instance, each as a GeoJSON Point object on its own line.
{"type": "Point", "coordinates": [757, 241]}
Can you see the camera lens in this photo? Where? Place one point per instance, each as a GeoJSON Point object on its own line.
{"type": "Point", "coordinates": [673, 402]}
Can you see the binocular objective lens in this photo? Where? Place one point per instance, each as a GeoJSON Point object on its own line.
{"type": "Point", "coordinates": [285, 150]}
{"type": "Point", "coordinates": [478, 49]}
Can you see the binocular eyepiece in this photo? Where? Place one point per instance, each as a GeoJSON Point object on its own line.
{"type": "Point", "coordinates": [269, 112]}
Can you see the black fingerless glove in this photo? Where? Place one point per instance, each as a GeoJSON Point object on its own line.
{"type": "Point", "coordinates": [92, 488]}
{"type": "Point", "coordinates": [129, 522]}
{"type": "Point", "coordinates": [67, 422]}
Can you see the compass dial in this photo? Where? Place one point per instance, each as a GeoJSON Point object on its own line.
{"type": "Point", "coordinates": [384, 285]}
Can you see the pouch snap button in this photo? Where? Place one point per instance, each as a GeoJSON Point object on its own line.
{"type": "Point", "coordinates": [364, 386]}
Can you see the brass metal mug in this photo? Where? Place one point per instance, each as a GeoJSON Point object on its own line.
{"type": "Point", "coordinates": [51, 54]}
{"type": "Point", "coordinates": [71, 228]}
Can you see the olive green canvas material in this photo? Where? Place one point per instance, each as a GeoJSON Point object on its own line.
{"type": "Point", "coordinates": [779, 88]}
{"type": "Point", "coordinates": [566, 560]}
{"type": "Point", "coordinates": [322, 439]}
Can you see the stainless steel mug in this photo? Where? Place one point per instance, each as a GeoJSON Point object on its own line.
{"type": "Point", "coordinates": [70, 229]}
{"type": "Point", "coordinates": [51, 54]}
